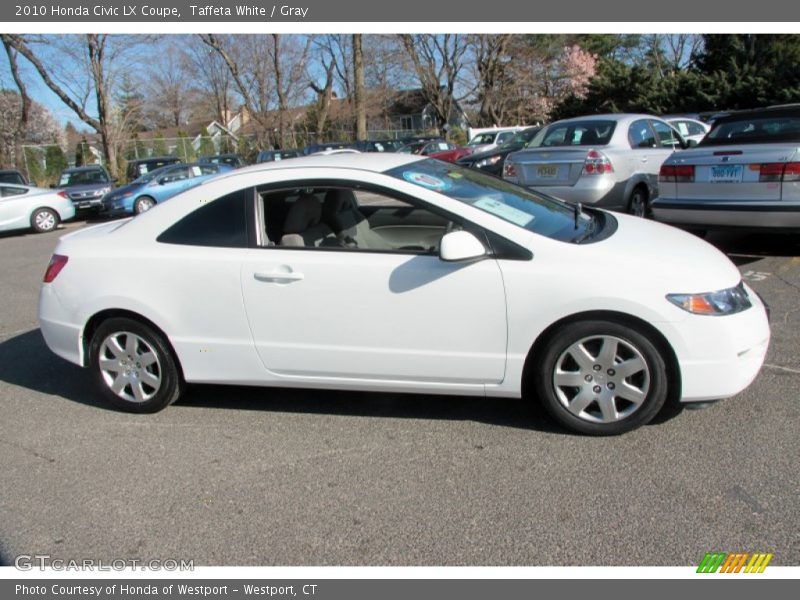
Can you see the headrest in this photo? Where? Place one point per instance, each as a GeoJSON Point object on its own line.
{"type": "Point", "coordinates": [336, 201]}
{"type": "Point", "coordinates": [304, 213]}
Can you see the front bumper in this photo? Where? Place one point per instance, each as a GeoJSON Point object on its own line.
{"type": "Point", "coordinates": [726, 214]}
{"type": "Point", "coordinates": [720, 356]}
{"type": "Point", "coordinates": [88, 204]}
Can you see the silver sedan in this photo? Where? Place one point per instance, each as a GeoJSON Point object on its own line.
{"type": "Point", "coordinates": [744, 174]}
{"type": "Point", "coordinates": [610, 160]}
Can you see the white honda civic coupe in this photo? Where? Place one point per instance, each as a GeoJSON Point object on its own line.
{"type": "Point", "coordinates": [390, 272]}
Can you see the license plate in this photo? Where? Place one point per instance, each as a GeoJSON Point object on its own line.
{"type": "Point", "coordinates": [727, 174]}
{"type": "Point", "coordinates": [546, 171]}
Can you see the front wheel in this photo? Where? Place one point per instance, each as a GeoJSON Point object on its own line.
{"type": "Point", "coordinates": [134, 366]}
{"type": "Point", "coordinates": [44, 220]}
{"type": "Point", "coordinates": [601, 378]}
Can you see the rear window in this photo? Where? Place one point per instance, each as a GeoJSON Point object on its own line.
{"type": "Point", "coordinates": [595, 132]}
{"type": "Point", "coordinates": [756, 129]}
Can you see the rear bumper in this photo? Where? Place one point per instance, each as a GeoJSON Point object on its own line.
{"type": "Point", "coordinates": [724, 214]}
{"type": "Point", "coordinates": [61, 336]}
{"type": "Point", "coordinates": [598, 191]}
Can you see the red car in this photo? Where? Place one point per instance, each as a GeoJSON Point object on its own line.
{"type": "Point", "coordinates": [452, 155]}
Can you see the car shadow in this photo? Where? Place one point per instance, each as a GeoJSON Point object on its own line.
{"type": "Point", "coordinates": [743, 248]}
{"type": "Point", "coordinates": [25, 361]}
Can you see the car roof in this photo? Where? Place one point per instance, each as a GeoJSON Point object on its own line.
{"type": "Point", "coordinates": [618, 117]}
{"type": "Point", "coordinates": [86, 168]}
{"type": "Point", "coordinates": [376, 162]}
{"type": "Point", "coordinates": [756, 113]}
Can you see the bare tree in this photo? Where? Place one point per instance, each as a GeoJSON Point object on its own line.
{"type": "Point", "coordinates": [494, 86]}
{"type": "Point", "coordinates": [102, 58]}
{"type": "Point", "coordinates": [170, 95]}
{"type": "Point", "coordinates": [359, 88]}
{"type": "Point", "coordinates": [211, 77]}
{"type": "Point", "coordinates": [267, 72]}
{"type": "Point", "coordinates": [438, 61]}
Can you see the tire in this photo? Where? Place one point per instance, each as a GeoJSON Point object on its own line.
{"type": "Point", "coordinates": [637, 203]}
{"type": "Point", "coordinates": [582, 383]}
{"type": "Point", "coordinates": [44, 219]}
{"type": "Point", "coordinates": [134, 366]}
{"type": "Point", "coordinates": [143, 204]}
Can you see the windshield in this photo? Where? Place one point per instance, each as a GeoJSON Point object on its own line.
{"type": "Point", "coordinates": [540, 214]}
{"type": "Point", "coordinates": [594, 132]}
{"type": "Point", "coordinates": [82, 178]}
{"type": "Point", "coordinates": [520, 139]}
{"type": "Point", "coordinates": [482, 138]}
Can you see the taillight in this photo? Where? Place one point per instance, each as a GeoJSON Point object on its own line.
{"type": "Point", "coordinates": [676, 173]}
{"type": "Point", "coordinates": [57, 262]}
{"type": "Point", "coordinates": [596, 163]}
{"type": "Point", "coordinates": [509, 169]}
{"type": "Point", "coordinates": [63, 195]}
{"type": "Point", "coordinates": [772, 172]}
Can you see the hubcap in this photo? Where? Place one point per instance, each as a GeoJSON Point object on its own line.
{"type": "Point", "coordinates": [601, 379]}
{"type": "Point", "coordinates": [45, 220]}
{"type": "Point", "coordinates": [130, 366]}
{"type": "Point", "coordinates": [145, 205]}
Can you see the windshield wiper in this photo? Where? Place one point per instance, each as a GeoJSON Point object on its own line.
{"type": "Point", "coordinates": [578, 212]}
{"type": "Point", "coordinates": [590, 229]}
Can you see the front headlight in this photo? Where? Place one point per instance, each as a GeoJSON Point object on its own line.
{"type": "Point", "coordinates": [723, 302]}
{"type": "Point", "coordinates": [487, 162]}
{"type": "Point", "coordinates": [102, 191]}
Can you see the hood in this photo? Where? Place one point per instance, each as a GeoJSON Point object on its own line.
{"type": "Point", "coordinates": [647, 253]}
{"type": "Point", "coordinates": [88, 187]}
{"type": "Point", "coordinates": [120, 191]}
{"type": "Point", "coordinates": [476, 156]}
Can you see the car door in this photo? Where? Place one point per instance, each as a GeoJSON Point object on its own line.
{"type": "Point", "coordinates": [172, 182]}
{"type": "Point", "coordinates": [360, 314]}
{"type": "Point", "coordinates": [13, 207]}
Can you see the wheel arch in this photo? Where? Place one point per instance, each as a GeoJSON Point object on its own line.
{"type": "Point", "coordinates": [658, 338]}
{"type": "Point", "coordinates": [99, 317]}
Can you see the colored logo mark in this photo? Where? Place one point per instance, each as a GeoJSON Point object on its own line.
{"type": "Point", "coordinates": [736, 562]}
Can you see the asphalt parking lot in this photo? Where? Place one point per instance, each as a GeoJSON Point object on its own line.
{"type": "Point", "coordinates": [246, 476]}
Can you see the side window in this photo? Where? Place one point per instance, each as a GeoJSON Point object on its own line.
{"type": "Point", "coordinates": [349, 219]}
{"type": "Point", "coordinates": [13, 191]}
{"type": "Point", "coordinates": [667, 137]}
{"type": "Point", "coordinates": [640, 135]}
{"type": "Point", "coordinates": [221, 223]}
{"type": "Point", "coordinates": [682, 127]}
{"type": "Point", "coordinates": [174, 175]}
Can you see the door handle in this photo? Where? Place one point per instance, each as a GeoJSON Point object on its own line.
{"type": "Point", "coordinates": [279, 276]}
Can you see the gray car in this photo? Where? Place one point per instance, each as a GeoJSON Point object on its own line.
{"type": "Point", "coordinates": [611, 161]}
{"type": "Point", "coordinates": [744, 174]}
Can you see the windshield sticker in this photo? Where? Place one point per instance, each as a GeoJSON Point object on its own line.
{"type": "Point", "coordinates": [504, 211]}
{"type": "Point", "coordinates": [425, 180]}
{"type": "Point", "coordinates": [197, 172]}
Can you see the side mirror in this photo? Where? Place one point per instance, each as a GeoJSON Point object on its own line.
{"type": "Point", "coordinates": [460, 246]}
{"type": "Point", "coordinates": [163, 180]}
{"type": "Point", "coordinates": [691, 143]}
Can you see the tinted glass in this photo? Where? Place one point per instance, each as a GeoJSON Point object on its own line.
{"type": "Point", "coordinates": [575, 133]}
{"type": "Point", "coordinates": [754, 129]}
{"type": "Point", "coordinates": [221, 223]}
{"type": "Point", "coordinates": [540, 214]}
{"type": "Point", "coordinates": [83, 178]}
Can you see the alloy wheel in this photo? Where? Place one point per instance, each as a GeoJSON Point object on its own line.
{"type": "Point", "coordinates": [130, 366]}
{"type": "Point", "coordinates": [601, 379]}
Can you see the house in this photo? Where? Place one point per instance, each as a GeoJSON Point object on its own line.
{"type": "Point", "coordinates": [409, 110]}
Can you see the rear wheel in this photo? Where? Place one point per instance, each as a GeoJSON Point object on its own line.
{"type": "Point", "coordinates": [143, 204]}
{"type": "Point", "coordinates": [134, 366]}
{"type": "Point", "coordinates": [637, 203]}
{"type": "Point", "coordinates": [44, 220]}
{"type": "Point", "coordinates": [601, 378]}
